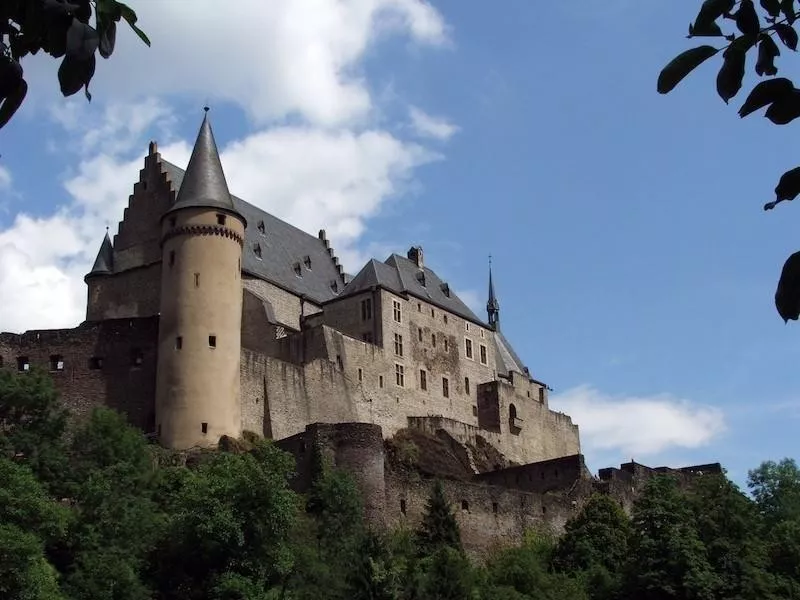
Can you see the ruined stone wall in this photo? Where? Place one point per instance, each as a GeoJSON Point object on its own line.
{"type": "Point", "coordinates": [112, 364]}
{"type": "Point", "coordinates": [289, 308]}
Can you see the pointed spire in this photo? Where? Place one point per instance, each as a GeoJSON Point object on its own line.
{"type": "Point", "coordinates": [104, 263]}
{"type": "Point", "coordinates": [492, 306]}
{"type": "Point", "coordinates": [204, 184]}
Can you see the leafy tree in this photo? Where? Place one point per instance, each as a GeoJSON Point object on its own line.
{"type": "Point", "coordinates": [596, 542]}
{"type": "Point", "coordinates": [62, 29]}
{"type": "Point", "coordinates": [776, 489]}
{"type": "Point", "coordinates": [375, 575]}
{"type": "Point", "coordinates": [439, 526]}
{"type": "Point", "coordinates": [731, 530]}
{"type": "Point", "coordinates": [753, 30]}
{"type": "Point", "coordinates": [668, 560]}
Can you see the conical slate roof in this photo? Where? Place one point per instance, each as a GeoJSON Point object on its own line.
{"type": "Point", "coordinates": [204, 184]}
{"type": "Point", "coordinates": [104, 263]}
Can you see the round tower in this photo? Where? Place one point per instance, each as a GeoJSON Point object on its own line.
{"type": "Point", "coordinates": [199, 346]}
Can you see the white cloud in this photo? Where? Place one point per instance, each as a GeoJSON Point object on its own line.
{"type": "Point", "coordinates": [277, 58]}
{"type": "Point", "coordinates": [5, 178]}
{"type": "Point", "coordinates": [426, 125]}
{"type": "Point", "coordinates": [638, 426]}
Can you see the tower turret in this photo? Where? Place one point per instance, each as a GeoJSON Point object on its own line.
{"type": "Point", "coordinates": [492, 306]}
{"type": "Point", "coordinates": [199, 347]}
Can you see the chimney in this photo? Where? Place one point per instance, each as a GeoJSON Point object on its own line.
{"type": "Point", "coordinates": [415, 256]}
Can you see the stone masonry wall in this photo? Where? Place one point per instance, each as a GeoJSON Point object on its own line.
{"type": "Point", "coordinates": [112, 364]}
{"type": "Point", "coordinates": [289, 309]}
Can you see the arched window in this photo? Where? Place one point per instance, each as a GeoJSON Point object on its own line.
{"type": "Point", "coordinates": [512, 412]}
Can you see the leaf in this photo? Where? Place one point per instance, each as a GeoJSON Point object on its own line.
{"type": "Point", "coordinates": [130, 17]}
{"type": "Point", "coordinates": [710, 30]}
{"type": "Point", "coordinates": [10, 75]}
{"type": "Point", "coordinates": [747, 18]}
{"type": "Point", "coordinates": [82, 40]}
{"type": "Point", "coordinates": [683, 64]}
{"type": "Point", "coordinates": [73, 74]}
{"type": "Point", "coordinates": [773, 7]}
{"type": "Point", "coordinates": [108, 35]}
{"type": "Point", "coordinates": [766, 92]}
{"type": "Point", "coordinates": [787, 189]}
{"type": "Point", "coordinates": [787, 8]}
{"type": "Point", "coordinates": [787, 34]}
{"type": "Point", "coordinates": [729, 78]}
{"type": "Point", "coordinates": [785, 109]}
{"type": "Point", "coordinates": [767, 51]}
{"type": "Point", "coordinates": [710, 11]}
{"type": "Point", "coordinates": [787, 296]}
{"type": "Point", "coordinates": [12, 102]}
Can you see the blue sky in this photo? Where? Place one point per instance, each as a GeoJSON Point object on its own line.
{"type": "Point", "coordinates": [634, 265]}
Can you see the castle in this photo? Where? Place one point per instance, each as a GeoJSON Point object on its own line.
{"type": "Point", "coordinates": [207, 317]}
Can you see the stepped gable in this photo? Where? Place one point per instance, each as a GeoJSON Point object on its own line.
{"type": "Point", "coordinates": [282, 247]}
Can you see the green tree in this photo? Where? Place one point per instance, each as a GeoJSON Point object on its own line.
{"type": "Point", "coordinates": [374, 575]}
{"type": "Point", "coordinates": [731, 530]}
{"type": "Point", "coordinates": [439, 526]}
{"type": "Point", "coordinates": [668, 560]}
{"type": "Point", "coordinates": [776, 489]}
{"type": "Point", "coordinates": [61, 29]}
{"type": "Point", "coordinates": [752, 30]}
{"type": "Point", "coordinates": [596, 542]}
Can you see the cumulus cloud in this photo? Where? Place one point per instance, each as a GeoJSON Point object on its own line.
{"type": "Point", "coordinates": [276, 59]}
{"type": "Point", "coordinates": [426, 125]}
{"type": "Point", "coordinates": [638, 426]}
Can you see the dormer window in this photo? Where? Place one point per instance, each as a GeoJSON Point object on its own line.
{"type": "Point", "coordinates": [297, 269]}
{"type": "Point", "coordinates": [421, 278]}
{"type": "Point", "coordinates": [261, 229]}
{"type": "Point", "coordinates": [307, 261]}
{"type": "Point", "coordinates": [446, 289]}
{"type": "Point", "coordinates": [334, 286]}
{"type": "Point", "coordinates": [257, 250]}
{"type": "Point", "coordinates": [220, 219]}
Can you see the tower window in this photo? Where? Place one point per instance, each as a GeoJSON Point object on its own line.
{"type": "Point", "coordinates": [360, 374]}
{"type": "Point", "coordinates": [466, 385]}
{"type": "Point", "coordinates": [56, 362]}
{"type": "Point", "coordinates": [171, 258]}
{"type": "Point", "coordinates": [433, 340]}
{"type": "Point", "coordinates": [178, 343]}
{"type": "Point", "coordinates": [204, 427]}
{"type": "Point", "coordinates": [403, 506]}
{"type": "Point", "coordinates": [212, 341]}
{"type": "Point", "coordinates": [220, 219]}
{"type": "Point", "coordinates": [446, 345]}
{"type": "Point", "coordinates": [197, 280]}
{"type": "Point", "coordinates": [423, 380]}
{"type": "Point", "coordinates": [445, 387]}
{"type": "Point", "coordinates": [445, 319]}
{"type": "Point", "coordinates": [23, 363]}
{"type": "Point", "coordinates": [419, 333]}
{"type": "Point", "coordinates": [494, 507]}
{"type": "Point", "coordinates": [380, 380]}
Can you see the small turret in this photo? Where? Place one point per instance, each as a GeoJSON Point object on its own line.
{"type": "Point", "coordinates": [104, 263]}
{"type": "Point", "coordinates": [197, 383]}
{"type": "Point", "coordinates": [493, 306]}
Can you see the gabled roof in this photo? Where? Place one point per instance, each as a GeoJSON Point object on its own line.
{"type": "Point", "coordinates": [203, 183]}
{"type": "Point", "coordinates": [402, 276]}
{"type": "Point", "coordinates": [104, 263]}
{"type": "Point", "coordinates": [282, 247]}
{"type": "Point", "coordinates": [506, 359]}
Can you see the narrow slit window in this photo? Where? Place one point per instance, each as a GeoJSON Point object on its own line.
{"type": "Point", "coordinates": [172, 258]}
{"type": "Point", "coordinates": [178, 343]}
{"type": "Point", "coordinates": [204, 427]}
{"type": "Point", "coordinates": [212, 341]}
{"type": "Point", "coordinates": [466, 385]}
{"type": "Point", "coordinates": [197, 280]}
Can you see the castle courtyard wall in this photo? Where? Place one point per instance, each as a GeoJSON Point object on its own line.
{"type": "Point", "coordinates": [289, 308]}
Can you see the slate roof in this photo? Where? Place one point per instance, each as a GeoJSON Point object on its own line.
{"type": "Point", "coordinates": [505, 358]}
{"type": "Point", "coordinates": [282, 246]}
{"type": "Point", "coordinates": [402, 276]}
{"type": "Point", "coordinates": [203, 183]}
{"type": "Point", "coordinates": [104, 263]}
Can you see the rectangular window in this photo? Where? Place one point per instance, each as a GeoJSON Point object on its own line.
{"type": "Point", "coordinates": [366, 309]}
{"type": "Point", "coordinates": [419, 307]}
{"type": "Point", "coordinates": [483, 354]}
{"type": "Point", "coordinates": [171, 258]}
{"type": "Point", "coordinates": [541, 395]}
{"type": "Point", "coordinates": [95, 362]}
{"type": "Point", "coordinates": [178, 343]}
{"type": "Point", "coordinates": [466, 385]}
{"type": "Point", "coordinates": [419, 333]}
{"type": "Point", "coordinates": [220, 219]}
{"type": "Point", "coordinates": [398, 344]}
{"type": "Point", "coordinates": [423, 379]}
{"type": "Point", "coordinates": [197, 280]}
{"type": "Point", "coordinates": [399, 375]}
{"type": "Point", "coordinates": [56, 362]}
{"type": "Point", "coordinates": [396, 311]}
{"type": "Point", "coordinates": [446, 345]}
{"type": "Point", "coordinates": [212, 341]}
{"type": "Point", "coordinates": [204, 427]}
{"type": "Point", "coordinates": [482, 334]}
{"type": "Point", "coordinates": [445, 387]}
{"type": "Point", "coordinates": [468, 347]}
{"type": "Point", "coordinates": [433, 340]}
{"type": "Point", "coordinates": [360, 374]}
{"type": "Point", "coordinates": [466, 325]}
{"type": "Point", "coordinates": [433, 313]}
{"type": "Point", "coordinates": [380, 381]}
